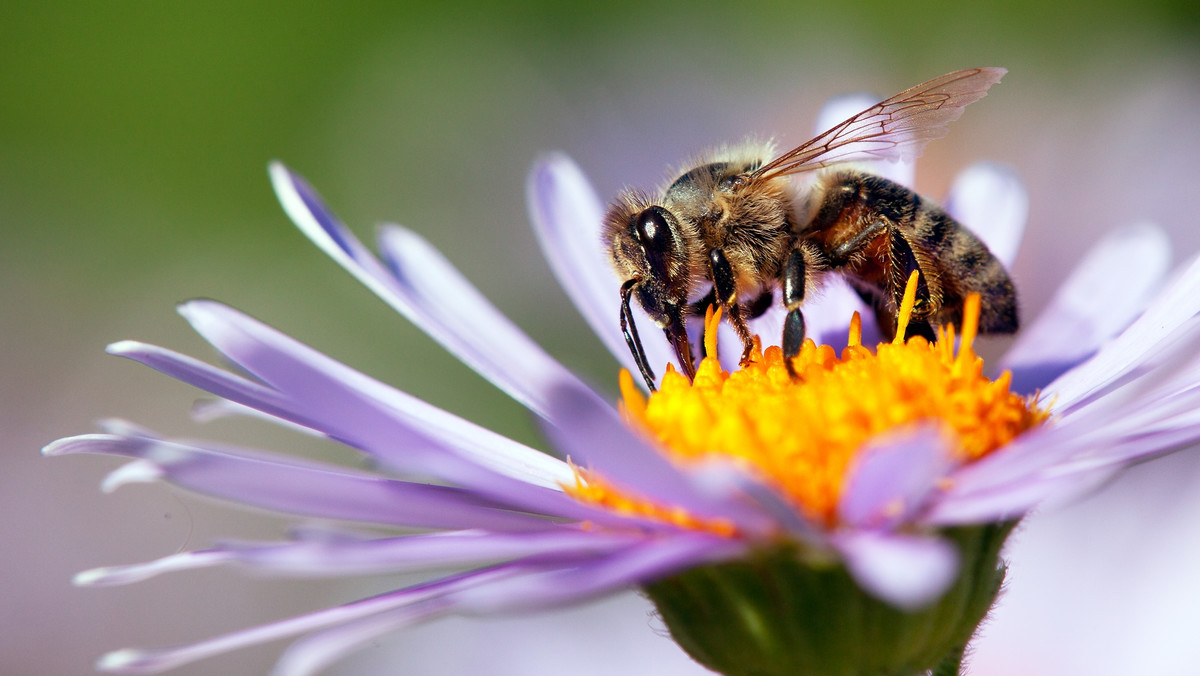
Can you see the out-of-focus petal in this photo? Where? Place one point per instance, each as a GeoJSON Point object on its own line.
{"type": "Point", "coordinates": [635, 565]}
{"type": "Point", "coordinates": [991, 201]}
{"type": "Point", "coordinates": [893, 478]}
{"type": "Point", "coordinates": [1159, 325]}
{"type": "Point", "coordinates": [1013, 500]}
{"type": "Point", "coordinates": [153, 661]}
{"type": "Point", "coordinates": [311, 654]}
{"type": "Point", "coordinates": [908, 571]}
{"type": "Point", "coordinates": [1100, 298]}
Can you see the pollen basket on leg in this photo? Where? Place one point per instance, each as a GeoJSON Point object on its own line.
{"type": "Point", "coordinates": [802, 434]}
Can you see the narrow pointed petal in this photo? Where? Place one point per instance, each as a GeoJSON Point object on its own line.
{"type": "Point", "coordinates": [153, 661]}
{"type": "Point", "coordinates": [908, 571]}
{"type": "Point", "coordinates": [894, 478]}
{"type": "Point", "coordinates": [992, 202]}
{"type": "Point", "coordinates": [289, 485]}
{"type": "Point", "coordinates": [1162, 323]}
{"type": "Point", "coordinates": [1015, 499]}
{"type": "Point", "coordinates": [373, 556]}
{"type": "Point", "coordinates": [510, 371]}
{"type": "Point", "coordinates": [438, 443]}
{"type": "Point", "coordinates": [534, 588]}
{"type": "Point", "coordinates": [635, 565]}
{"type": "Point", "coordinates": [454, 312]}
{"type": "Point", "coordinates": [109, 576]}
{"type": "Point", "coordinates": [566, 216]}
{"type": "Point", "coordinates": [311, 654]}
{"type": "Point", "coordinates": [353, 407]}
{"type": "Point", "coordinates": [1103, 294]}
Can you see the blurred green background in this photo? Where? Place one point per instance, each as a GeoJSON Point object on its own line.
{"type": "Point", "coordinates": [133, 143]}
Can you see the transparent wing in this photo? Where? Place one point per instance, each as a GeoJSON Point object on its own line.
{"type": "Point", "coordinates": [893, 129]}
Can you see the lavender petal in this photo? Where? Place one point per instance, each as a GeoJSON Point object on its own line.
{"type": "Point", "coordinates": [1013, 500]}
{"type": "Point", "coordinates": [1091, 306]}
{"type": "Point", "coordinates": [439, 444]}
{"type": "Point", "coordinates": [908, 571]}
{"type": "Point", "coordinates": [451, 310]}
{"type": "Point", "coordinates": [1162, 322]}
{"type": "Point", "coordinates": [420, 600]}
{"type": "Point", "coordinates": [311, 654]}
{"type": "Point", "coordinates": [399, 429]}
{"type": "Point", "coordinates": [533, 587]}
{"type": "Point", "coordinates": [635, 565]}
{"type": "Point", "coordinates": [894, 477]}
{"type": "Point", "coordinates": [499, 352]}
{"type": "Point", "coordinates": [373, 556]}
{"type": "Point", "coordinates": [299, 487]}
{"type": "Point", "coordinates": [566, 216]}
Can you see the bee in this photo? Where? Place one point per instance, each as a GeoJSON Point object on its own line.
{"type": "Point", "coordinates": [733, 229]}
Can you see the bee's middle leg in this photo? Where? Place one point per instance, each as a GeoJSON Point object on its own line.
{"type": "Point", "coordinates": [803, 260]}
{"type": "Point", "coordinates": [725, 293]}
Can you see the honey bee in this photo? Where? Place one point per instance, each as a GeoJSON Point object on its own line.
{"type": "Point", "coordinates": [734, 228]}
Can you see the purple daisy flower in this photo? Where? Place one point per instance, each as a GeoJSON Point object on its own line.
{"type": "Point", "coordinates": [1113, 357]}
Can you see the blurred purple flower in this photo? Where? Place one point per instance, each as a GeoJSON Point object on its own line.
{"type": "Point", "coordinates": [1114, 354]}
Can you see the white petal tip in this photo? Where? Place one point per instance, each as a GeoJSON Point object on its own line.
{"type": "Point", "coordinates": [281, 176]}
{"type": "Point", "coordinates": [92, 578]}
{"type": "Point", "coordinates": [124, 347]}
{"type": "Point", "coordinates": [136, 472]}
{"type": "Point", "coordinates": [77, 444]}
{"type": "Point", "coordinates": [124, 661]}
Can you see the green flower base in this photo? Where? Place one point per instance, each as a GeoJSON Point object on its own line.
{"type": "Point", "coordinates": [778, 614]}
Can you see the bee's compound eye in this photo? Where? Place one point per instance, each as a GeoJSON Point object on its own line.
{"type": "Point", "coordinates": [652, 229]}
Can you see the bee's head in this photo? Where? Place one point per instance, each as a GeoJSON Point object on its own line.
{"type": "Point", "coordinates": [646, 244]}
{"type": "Point", "coordinates": [649, 253]}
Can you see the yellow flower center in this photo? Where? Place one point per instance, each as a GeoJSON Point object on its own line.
{"type": "Point", "coordinates": [803, 434]}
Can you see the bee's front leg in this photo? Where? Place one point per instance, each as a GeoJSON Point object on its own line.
{"type": "Point", "coordinates": [725, 293]}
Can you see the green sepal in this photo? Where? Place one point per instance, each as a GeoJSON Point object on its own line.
{"type": "Point", "coordinates": [781, 613]}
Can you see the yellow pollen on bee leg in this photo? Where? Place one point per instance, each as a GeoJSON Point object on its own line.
{"type": "Point", "coordinates": [803, 434]}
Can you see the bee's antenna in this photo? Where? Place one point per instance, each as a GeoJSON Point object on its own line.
{"type": "Point", "coordinates": [629, 330]}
